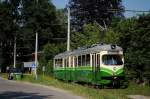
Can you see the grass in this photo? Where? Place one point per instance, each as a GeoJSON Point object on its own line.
{"type": "Point", "coordinates": [4, 75]}
{"type": "Point", "coordinates": [90, 93]}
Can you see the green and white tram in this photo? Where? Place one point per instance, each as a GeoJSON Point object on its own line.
{"type": "Point", "coordinates": [99, 65]}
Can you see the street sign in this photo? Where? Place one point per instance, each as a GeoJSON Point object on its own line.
{"type": "Point", "coordinates": [33, 66]}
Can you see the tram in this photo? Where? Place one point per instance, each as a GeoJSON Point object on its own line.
{"type": "Point", "coordinates": [100, 64]}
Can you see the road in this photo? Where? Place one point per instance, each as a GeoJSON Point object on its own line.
{"type": "Point", "coordinates": [18, 90]}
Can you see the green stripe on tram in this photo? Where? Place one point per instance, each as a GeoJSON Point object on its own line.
{"type": "Point", "coordinates": [106, 70]}
{"type": "Point", "coordinates": [84, 68]}
{"type": "Point", "coordinates": [76, 68]}
{"type": "Point", "coordinates": [119, 71]}
{"type": "Point", "coordinates": [111, 71]}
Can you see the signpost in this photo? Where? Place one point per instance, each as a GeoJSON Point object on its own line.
{"type": "Point", "coordinates": [43, 69]}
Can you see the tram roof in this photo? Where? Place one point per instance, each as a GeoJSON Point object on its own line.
{"type": "Point", "coordinates": [93, 49]}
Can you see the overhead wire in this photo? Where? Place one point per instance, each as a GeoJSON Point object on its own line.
{"type": "Point", "coordinates": [120, 10]}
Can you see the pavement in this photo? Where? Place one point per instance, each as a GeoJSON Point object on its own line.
{"type": "Point", "coordinates": [18, 90]}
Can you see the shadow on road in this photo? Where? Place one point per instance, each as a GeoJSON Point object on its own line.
{"type": "Point", "coordinates": [22, 95]}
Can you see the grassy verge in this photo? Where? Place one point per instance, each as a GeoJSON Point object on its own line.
{"type": "Point", "coordinates": [90, 93]}
{"type": "Point", "coordinates": [3, 75]}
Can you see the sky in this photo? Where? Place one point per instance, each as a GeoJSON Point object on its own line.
{"type": "Point", "coordinates": [128, 4]}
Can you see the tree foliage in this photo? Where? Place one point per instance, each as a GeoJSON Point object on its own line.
{"type": "Point", "coordinates": [134, 38]}
{"type": "Point", "coordinates": [39, 17]}
{"type": "Point", "coordinates": [88, 11]}
{"type": "Point", "coordinates": [49, 51]}
{"type": "Point", "coordinates": [8, 29]}
{"type": "Point", "coordinates": [90, 35]}
{"type": "Point", "coordinates": [22, 19]}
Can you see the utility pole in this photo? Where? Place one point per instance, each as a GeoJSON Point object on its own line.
{"type": "Point", "coordinates": [15, 52]}
{"type": "Point", "coordinates": [68, 36]}
{"type": "Point", "coordinates": [36, 51]}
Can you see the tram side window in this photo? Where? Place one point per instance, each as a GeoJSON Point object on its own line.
{"type": "Point", "coordinates": [65, 62]}
{"type": "Point", "coordinates": [61, 63]}
{"type": "Point", "coordinates": [58, 62]}
{"type": "Point", "coordinates": [83, 60]}
{"type": "Point", "coordinates": [98, 59]}
{"type": "Point", "coordinates": [88, 60]}
{"type": "Point", "coordinates": [75, 61]}
{"type": "Point", "coordinates": [93, 60]}
{"type": "Point", "coordinates": [79, 61]}
{"type": "Point", "coordinates": [71, 58]}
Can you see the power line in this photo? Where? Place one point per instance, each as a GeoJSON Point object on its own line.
{"type": "Point", "coordinates": [136, 11]}
{"type": "Point", "coordinates": [119, 10]}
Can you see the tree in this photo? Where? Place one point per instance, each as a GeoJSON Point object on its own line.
{"type": "Point", "coordinates": [39, 17]}
{"type": "Point", "coordinates": [138, 51]}
{"type": "Point", "coordinates": [88, 11]}
{"type": "Point", "coordinates": [134, 38]}
{"type": "Point", "coordinates": [7, 31]}
{"type": "Point", "coordinates": [111, 37]}
{"type": "Point", "coordinates": [22, 19]}
{"type": "Point", "coordinates": [61, 20]}
{"type": "Point", "coordinates": [89, 35]}
{"type": "Point", "coordinates": [124, 28]}
{"type": "Point", "coordinates": [49, 51]}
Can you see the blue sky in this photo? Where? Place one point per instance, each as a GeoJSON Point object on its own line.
{"type": "Point", "coordinates": [129, 5]}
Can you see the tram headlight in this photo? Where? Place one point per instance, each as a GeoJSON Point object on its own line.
{"type": "Point", "coordinates": [115, 77]}
{"type": "Point", "coordinates": [113, 46]}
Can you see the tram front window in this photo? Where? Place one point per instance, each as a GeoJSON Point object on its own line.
{"type": "Point", "coordinates": [112, 60]}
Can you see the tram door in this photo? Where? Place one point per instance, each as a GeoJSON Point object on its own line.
{"type": "Point", "coordinates": [96, 65]}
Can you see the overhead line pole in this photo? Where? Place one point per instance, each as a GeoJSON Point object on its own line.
{"type": "Point", "coordinates": [15, 52]}
{"type": "Point", "coordinates": [36, 51]}
{"type": "Point", "coordinates": [68, 36]}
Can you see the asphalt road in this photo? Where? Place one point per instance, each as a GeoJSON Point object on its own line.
{"type": "Point", "coordinates": [18, 90]}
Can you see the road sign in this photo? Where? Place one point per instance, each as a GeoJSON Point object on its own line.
{"type": "Point", "coordinates": [33, 66]}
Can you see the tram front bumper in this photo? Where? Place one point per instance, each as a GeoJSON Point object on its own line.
{"type": "Point", "coordinates": [112, 80]}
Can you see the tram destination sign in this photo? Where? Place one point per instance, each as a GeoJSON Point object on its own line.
{"type": "Point", "coordinates": [113, 52]}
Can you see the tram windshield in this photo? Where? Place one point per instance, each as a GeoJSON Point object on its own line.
{"type": "Point", "coordinates": [112, 60]}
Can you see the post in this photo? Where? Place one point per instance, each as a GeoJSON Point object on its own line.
{"type": "Point", "coordinates": [68, 37]}
{"type": "Point", "coordinates": [15, 52]}
{"type": "Point", "coordinates": [36, 50]}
